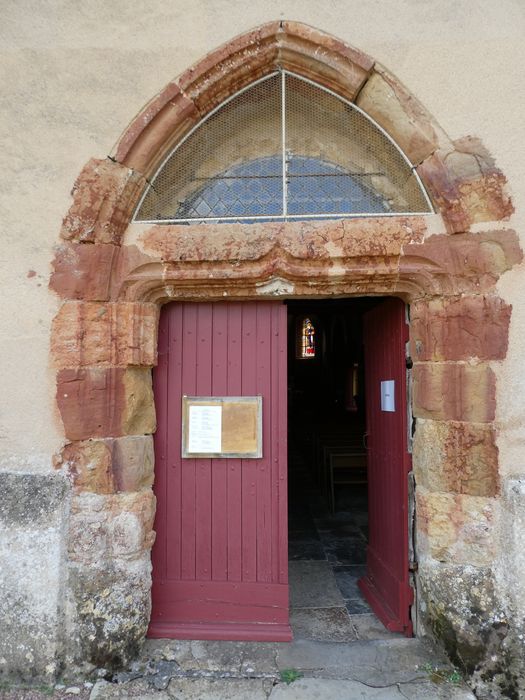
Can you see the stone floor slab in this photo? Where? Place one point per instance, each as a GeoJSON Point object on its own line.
{"type": "Point", "coordinates": [323, 624]}
{"type": "Point", "coordinates": [328, 689]}
{"type": "Point", "coordinates": [377, 662]}
{"type": "Point", "coordinates": [368, 627]}
{"type": "Point", "coordinates": [223, 689]}
{"type": "Point", "coordinates": [313, 584]}
{"type": "Point", "coordinates": [317, 688]}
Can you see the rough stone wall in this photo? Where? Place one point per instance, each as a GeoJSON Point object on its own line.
{"type": "Point", "coordinates": [468, 385]}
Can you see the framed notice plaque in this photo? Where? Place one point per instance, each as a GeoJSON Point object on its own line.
{"type": "Point", "coordinates": [226, 426]}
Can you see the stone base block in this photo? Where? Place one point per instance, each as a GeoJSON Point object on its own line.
{"type": "Point", "coordinates": [463, 608]}
{"type": "Point", "coordinates": [110, 612]}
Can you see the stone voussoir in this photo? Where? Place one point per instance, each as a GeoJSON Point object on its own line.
{"type": "Point", "coordinates": [105, 402]}
{"type": "Point", "coordinates": [465, 185]}
{"type": "Point", "coordinates": [392, 106]}
{"type": "Point", "coordinates": [99, 334]}
{"type": "Point", "coordinates": [104, 195]}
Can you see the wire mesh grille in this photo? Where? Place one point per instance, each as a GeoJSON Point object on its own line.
{"type": "Point", "coordinates": [283, 149]}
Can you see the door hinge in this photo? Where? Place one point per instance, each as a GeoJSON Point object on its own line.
{"type": "Point", "coordinates": [413, 566]}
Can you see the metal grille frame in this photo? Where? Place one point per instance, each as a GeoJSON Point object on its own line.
{"type": "Point", "coordinates": [284, 156]}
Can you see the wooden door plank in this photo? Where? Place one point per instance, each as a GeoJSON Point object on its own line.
{"type": "Point", "coordinates": [234, 466]}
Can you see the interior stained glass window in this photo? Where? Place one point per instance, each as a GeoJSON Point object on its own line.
{"type": "Point", "coordinates": [283, 148]}
{"type": "Point", "coordinates": [306, 340]}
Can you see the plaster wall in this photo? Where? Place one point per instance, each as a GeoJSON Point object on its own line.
{"type": "Point", "coordinates": [74, 74]}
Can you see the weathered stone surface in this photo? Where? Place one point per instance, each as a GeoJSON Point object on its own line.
{"type": "Point", "coordinates": [456, 457]}
{"type": "Point", "coordinates": [459, 328]}
{"type": "Point", "coordinates": [456, 528]}
{"type": "Point", "coordinates": [110, 611]}
{"type": "Point", "coordinates": [342, 68]}
{"type": "Point", "coordinates": [154, 132]}
{"type": "Point", "coordinates": [466, 185]}
{"type": "Point", "coordinates": [452, 265]}
{"type": "Point", "coordinates": [454, 391]}
{"type": "Point", "coordinates": [109, 466]}
{"type": "Point", "coordinates": [461, 606]}
{"type": "Point", "coordinates": [103, 527]}
{"type": "Point", "coordinates": [33, 508]}
{"type": "Point", "coordinates": [400, 114]}
{"type": "Point", "coordinates": [104, 195]}
{"type": "Point", "coordinates": [89, 466]}
{"type": "Point", "coordinates": [102, 272]}
{"type": "Point", "coordinates": [88, 333]}
{"type": "Point", "coordinates": [83, 271]}
{"type": "Point", "coordinates": [314, 241]}
{"type": "Point", "coordinates": [105, 402]}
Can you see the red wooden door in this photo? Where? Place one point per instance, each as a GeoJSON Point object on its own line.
{"type": "Point", "coordinates": [386, 583]}
{"type": "Point", "coordinates": [220, 559]}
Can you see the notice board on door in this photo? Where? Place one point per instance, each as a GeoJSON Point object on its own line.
{"type": "Point", "coordinates": [222, 427]}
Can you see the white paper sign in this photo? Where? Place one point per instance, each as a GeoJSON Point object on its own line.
{"type": "Point", "coordinates": [204, 429]}
{"type": "Point", "coordinates": [388, 396]}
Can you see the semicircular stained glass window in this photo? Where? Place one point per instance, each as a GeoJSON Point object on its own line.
{"type": "Point", "coordinates": [283, 149]}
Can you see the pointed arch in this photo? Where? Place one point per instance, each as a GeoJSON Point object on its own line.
{"type": "Point", "coordinates": [103, 337]}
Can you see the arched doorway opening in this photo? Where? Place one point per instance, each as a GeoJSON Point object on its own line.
{"type": "Point", "coordinates": [114, 276]}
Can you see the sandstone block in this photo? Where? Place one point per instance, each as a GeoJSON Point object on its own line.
{"type": "Point", "coordinates": [83, 271]}
{"type": "Point", "coordinates": [466, 262]}
{"type": "Point", "coordinates": [466, 185]}
{"type": "Point", "coordinates": [88, 465]}
{"type": "Point", "coordinates": [459, 328]}
{"type": "Point", "coordinates": [132, 462]}
{"type": "Point", "coordinates": [106, 526]}
{"type": "Point", "coordinates": [110, 611]}
{"type": "Point", "coordinates": [154, 132]}
{"type": "Point", "coordinates": [400, 114]}
{"type": "Point", "coordinates": [456, 457]}
{"type": "Point", "coordinates": [104, 195]}
{"type": "Point", "coordinates": [453, 391]}
{"type": "Point", "coordinates": [110, 465]}
{"type": "Point", "coordinates": [456, 528]}
{"type": "Point", "coordinates": [105, 402]}
{"type": "Point", "coordinates": [89, 333]}
{"type": "Point", "coordinates": [343, 68]}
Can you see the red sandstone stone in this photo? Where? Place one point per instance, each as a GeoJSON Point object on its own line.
{"type": "Point", "coordinates": [323, 59]}
{"type": "Point", "coordinates": [452, 265]}
{"type": "Point", "coordinates": [230, 67]}
{"type": "Point", "coordinates": [466, 186]}
{"type": "Point", "coordinates": [99, 272]}
{"type": "Point", "coordinates": [88, 465]}
{"type": "Point", "coordinates": [459, 328]}
{"type": "Point", "coordinates": [453, 391]}
{"type": "Point", "coordinates": [104, 195]}
{"type": "Point", "coordinates": [456, 528]}
{"type": "Point", "coordinates": [107, 402]}
{"type": "Point", "coordinates": [310, 241]}
{"type": "Point", "coordinates": [410, 125]}
{"type": "Point", "coordinates": [111, 465]}
{"type": "Point", "coordinates": [93, 333]}
{"type": "Point", "coordinates": [155, 131]}
{"type": "Point", "coordinates": [454, 457]}
{"type": "Point", "coordinates": [83, 271]}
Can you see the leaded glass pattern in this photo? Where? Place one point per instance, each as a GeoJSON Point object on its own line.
{"type": "Point", "coordinates": [283, 149]}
